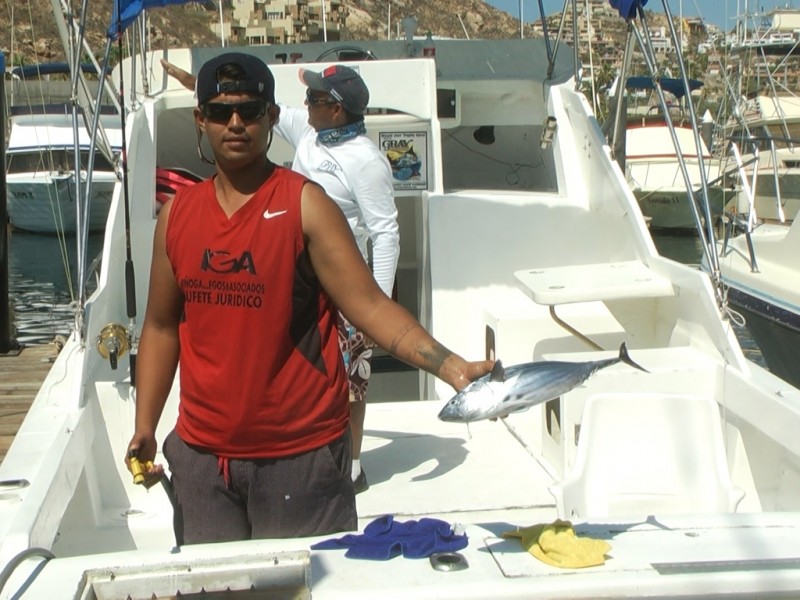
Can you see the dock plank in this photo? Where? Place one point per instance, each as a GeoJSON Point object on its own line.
{"type": "Point", "coordinates": [21, 376]}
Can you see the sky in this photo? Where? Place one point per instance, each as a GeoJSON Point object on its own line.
{"type": "Point", "coordinates": [721, 13]}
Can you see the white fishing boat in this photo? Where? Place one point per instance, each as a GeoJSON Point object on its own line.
{"type": "Point", "coordinates": [760, 271]}
{"type": "Point", "coordinates": [652, 167]}
{"type": "Point", "coordinates": [771, 153]}
{"type": "Point", "coordinates": [758, 264]}
{"type": "Point", "coordinates": [766, 124]}
{"type": "Point", "coordinates": [40, 165]}
{"type": "Point", "coordinates": [520, 235]}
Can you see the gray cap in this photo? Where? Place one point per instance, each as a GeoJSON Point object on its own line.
{"type": "Point", "coordinates": [342, 83]}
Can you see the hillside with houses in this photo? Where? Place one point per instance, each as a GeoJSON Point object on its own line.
{"type": "Point", "coordinates": [28, 35]}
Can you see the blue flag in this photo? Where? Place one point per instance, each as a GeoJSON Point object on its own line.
{"type": "Point", "coordinates": [627, 8]}
{"type": "Point", "coordinates": [126, 11]}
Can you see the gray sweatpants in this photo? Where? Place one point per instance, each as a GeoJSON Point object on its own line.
{"type": "Point", "coordinates": [295, 496]}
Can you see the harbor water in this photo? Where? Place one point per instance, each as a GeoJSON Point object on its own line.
{"type": "Point", "coordinates": [42, 282]}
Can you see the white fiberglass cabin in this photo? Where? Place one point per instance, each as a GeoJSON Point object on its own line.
{"type": "Point", "coordinates": [518, 233]}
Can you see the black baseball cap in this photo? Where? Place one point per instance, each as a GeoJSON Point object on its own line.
{"type": "Point", "coordinates": [258, 79]}
{"type": "Point", "coordinates": [342, 83]}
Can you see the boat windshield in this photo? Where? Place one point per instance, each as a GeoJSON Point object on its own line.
{"type": "Point", "coordinates": [59, 160]}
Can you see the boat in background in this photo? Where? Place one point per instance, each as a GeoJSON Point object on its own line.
{"type": "Point", "coordinates": [652, 167]}
{"type": "Point", "coordinates": [764, 118]}
{"type": "Point", "coordinates": [760, 270]}
{"type": "Point", "coordinates": [758, 257]}
{"type": "Point", "coordinates": [770, 146]}
{"type": "Point", "coordinates": [520, 239]}
{"type": "Point", "coordinates": [41, 176]}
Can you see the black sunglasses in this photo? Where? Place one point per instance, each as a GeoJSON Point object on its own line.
{"type": "Point", "coordinates": [313, 100]}
{"type": "Point", "coordinates": [221, 112]}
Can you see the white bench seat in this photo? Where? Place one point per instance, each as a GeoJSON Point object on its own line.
{"type": "Point", "coordinates": [590, 282]}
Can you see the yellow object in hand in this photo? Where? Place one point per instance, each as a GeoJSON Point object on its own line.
{"type": "Point", "coordinates": [556, 544]}
{"type": "Point", "coordinates": [140, 471]}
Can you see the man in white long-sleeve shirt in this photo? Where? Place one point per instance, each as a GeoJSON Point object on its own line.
{"type": "Point", "coordinates": [331, 148]}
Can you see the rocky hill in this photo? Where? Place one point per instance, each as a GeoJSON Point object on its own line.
{"type": "Point", "coordinates": [445, 18]}
{"type": "Point", "coordinates": [28, 32]}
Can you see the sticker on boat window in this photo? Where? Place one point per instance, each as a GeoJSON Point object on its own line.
{"type": "Point", "coordinates": [407, 155]}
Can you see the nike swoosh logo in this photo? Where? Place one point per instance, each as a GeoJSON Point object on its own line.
{"type": "Point", "coordinates": [271, 215]}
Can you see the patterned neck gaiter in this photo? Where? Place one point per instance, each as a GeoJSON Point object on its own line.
{"type": "Point", "coordinates": [337, 135]}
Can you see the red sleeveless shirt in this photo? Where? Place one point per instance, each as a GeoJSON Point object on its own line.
{"type": "Point", "coordinates": [261, 374]}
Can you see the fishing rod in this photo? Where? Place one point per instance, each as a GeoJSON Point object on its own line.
{"type": "Point", "coordinates": [72, 53]}
{"type": "Point", "coordinates": [71, 32]}
{"type": "Point", "coordinates": [98, 138]}
{"type": "Point", "coordinates": [130, 279]}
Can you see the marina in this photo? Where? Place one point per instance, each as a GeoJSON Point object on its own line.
{"type": "Point", "coordinates": [681, 475]}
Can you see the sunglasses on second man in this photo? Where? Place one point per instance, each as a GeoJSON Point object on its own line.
{"type": "Point", "coordinates": [221, 112]}
{"type": "Point", "coordinates": [313, 100]}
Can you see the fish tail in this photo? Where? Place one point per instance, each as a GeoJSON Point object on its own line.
{"type": "Point", "coordinates": [624, 357]}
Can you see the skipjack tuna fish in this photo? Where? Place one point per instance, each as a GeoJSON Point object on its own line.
{"type": "Point", "coordinates": [517, 388]}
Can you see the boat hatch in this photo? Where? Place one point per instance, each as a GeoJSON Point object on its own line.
{"type": "Point", "coordinates": [279, 575]}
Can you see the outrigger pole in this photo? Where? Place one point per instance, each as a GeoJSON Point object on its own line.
{"type": "Point", "coordinates": [630, 10]}
{"type": "Point", "coordinates": [5, 315]}
{"type": "Point", "coordinates": [73, 41]}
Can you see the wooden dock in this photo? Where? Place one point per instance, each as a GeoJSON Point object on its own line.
{"type": "Point", "coordinates": [21, 376]}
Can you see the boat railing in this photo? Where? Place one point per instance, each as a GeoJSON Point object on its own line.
{"type": "Point", "coordinates": [730, 220]}
{"type": "Point", "coordinates": [731, 224]}
{"type": "Point", "coordinates": [746, 221]}
{"type": "Point", "coordinates": [769, 146]}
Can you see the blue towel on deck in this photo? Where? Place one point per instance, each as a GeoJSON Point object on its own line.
{"type": "Point", "coordinates": [386, 538]}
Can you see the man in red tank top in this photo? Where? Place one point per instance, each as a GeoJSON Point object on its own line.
{"type": "Point", "coordinates": [248, 267]}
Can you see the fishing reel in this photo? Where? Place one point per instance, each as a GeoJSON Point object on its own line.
{"type": "Point", "coordinates": [112, 343]}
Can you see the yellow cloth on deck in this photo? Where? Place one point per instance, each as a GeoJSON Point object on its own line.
{"type": "Point", "coordinates": [556, 544]}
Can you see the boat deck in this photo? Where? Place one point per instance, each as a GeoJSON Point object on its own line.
{"type": "Point", "coordinates": [417, 466]}
{"type": "Point", "coordinates": [482, 478]}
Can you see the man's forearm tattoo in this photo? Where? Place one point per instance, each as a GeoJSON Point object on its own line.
{"type": "Point", "coordinates": [433, 355]}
